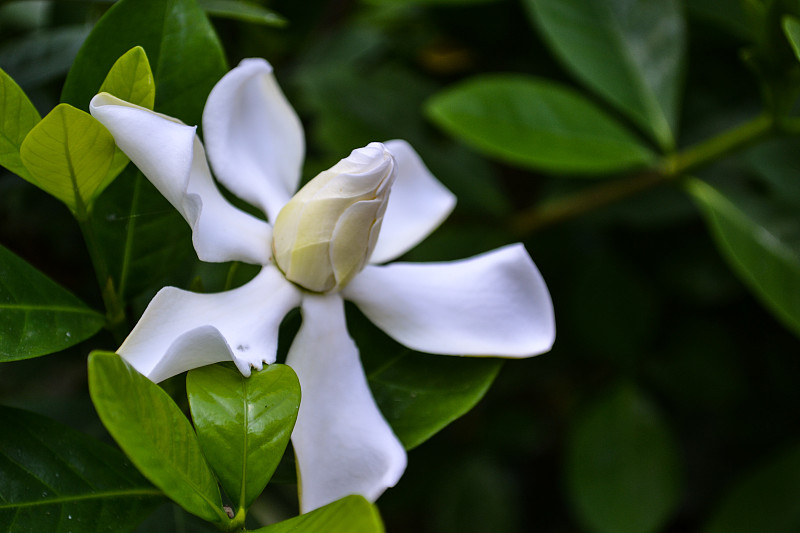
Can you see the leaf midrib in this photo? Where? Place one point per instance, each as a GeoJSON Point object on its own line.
{"type": "Point", "coordinates": [82, 497]}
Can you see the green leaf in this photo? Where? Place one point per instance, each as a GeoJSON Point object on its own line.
{"type": "Point", "coordinates": [623, 472]}
{"type": "Point", "coordinates": [761, 241]}
{"type": "Point", "coordinates": [764, 500]}
{"type": "Point", "coordinates": [42, 56]}
{"type": "Point", "coordinates": [420, 394]}
{"type": "Point", "coordinates": [58, 480]}
{"type": "Point", "coordinates": [154, 433]}
{"type": "Point", "coordinates": [243, 424]}
{"type": "Point", "coordinates": [185, 54]}
{"type": "Point", "coordinates": [17, 118]}
{"type": "Point", "coordinates": [131, 79]}
{"type": "Point", "coordinates": [38, 316]}
{"type": "Point", "coordinates": [632, 52]}
{"type": "Point", "coordinates": [536, 123]}
{"type": "Point", "coordinates": [244, 11]}
{"type": "Point", "coordinates": [351, 514]}
{"type": "Point", "coordinates": [791, 27]}
{"type": "Point", "coordinates": [68, 154]}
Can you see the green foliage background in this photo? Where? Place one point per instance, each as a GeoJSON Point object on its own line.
{"type": "Point", "coordinates": [670, 400]}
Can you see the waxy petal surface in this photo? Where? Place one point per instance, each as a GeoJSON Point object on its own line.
{"type": "Point", "coordinates": [171, 156]}
{"type": "Point", "coordinates": [492, 304]}
{"type": "Point", "coordinates": [181, 330]}
{"type": "Point", "coordinates": [342, 442]}
{"type": "Point", "coordinates": [418, 204]}
{"type": "Point", "coordinates": [253, 136]}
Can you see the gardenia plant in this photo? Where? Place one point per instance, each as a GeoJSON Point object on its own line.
{"type": "Point", "coordinates": [318, 248]}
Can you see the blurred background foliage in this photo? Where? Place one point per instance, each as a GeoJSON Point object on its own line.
{"type": "Point", "coordinates": [670, 400]}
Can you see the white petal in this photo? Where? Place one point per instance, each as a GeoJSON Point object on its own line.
{"type": "Point", "coordinates": [492, 304]}
{"type": "Point", "coordinates": [342, 442]}
{"type": "Point", "coordinates": [418, 204]}
{"type": "Point", "coordinates": [171, 156]}
{"type": "Point", "coordinates": [253, 136]}
{"type": "Point", "coordinates": [181, 330]}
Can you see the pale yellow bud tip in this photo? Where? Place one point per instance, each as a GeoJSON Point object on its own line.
{"type": "Point", "coordinates": [326, 233]}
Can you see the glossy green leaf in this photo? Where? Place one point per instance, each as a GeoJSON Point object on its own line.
{"type": "Point", "coordinates": [630, 52]}
{"type": "Point", "coordinates": [38, 316]}
{"type": "Point", "coordinates": [153, 432]}
{"type": "Point", "coordinates": [623, 472]}
{"type": "Point", "coordinates": [536, 123]}
{"type": "Point", "coordinates": [17, 118]}
{"type": "Point", "coordinates": [351, 514]}
{"type": "Point", "coordinates": [244, 11]}
{"type": "Point", "coordinates": [68, 154]}
{"type": "Point", "coordinates": [185, 54]}
{"type": "Point", "coordinates": [420, 394]}
{"type": "Point", "coordinates": [131, 79]}
{"type": "Point", "coordinates": [761, 241]}
{"type": "Point", "coordinates": [243, 424]}
{"type": "Point", "coordinates": [791, 27]}
{"type": "Point", "coordinates": [764, 500]}
{"type": "Point", "coordinates": [58, 480]}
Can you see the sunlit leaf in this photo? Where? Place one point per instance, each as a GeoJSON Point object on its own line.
{"type": "Point", "coordinates": [352, 514]}
{"type": "Point", "coordinates": [244, 11]}
{"type": "Point", "coordinates": [243, 424]}
{"type": "Point", "coordinates": [17, 118]}
{"type": "Point", "coordinates": [38, 316]}
{"type": "Point", "coordinates": [764, 500]}
{"type": "Point", "coordinates": [761, 241]}
{"type": "Point", "coordinates": [791, 27]}
{"type": "Point", "coordinates": [630, 52]}
{"type": "Point", "coordinates": [623, 472]}
{"type": "Point", "coordinates": [536, 123]}
{"type": "Point", "coordinates": [58, 480]}
{"type": "Point", "coordinates": [153, 432]}
{"type": "Point", "coordinates": [68, 155]}
{"type": "Point", "coordinates": [131, 79]}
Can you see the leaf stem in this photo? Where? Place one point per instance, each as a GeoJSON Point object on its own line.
{"type": "Point", "coordinates": [670, 168]}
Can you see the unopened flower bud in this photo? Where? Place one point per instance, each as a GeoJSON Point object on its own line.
{"type": "Point", "coordinates": [326, 233]}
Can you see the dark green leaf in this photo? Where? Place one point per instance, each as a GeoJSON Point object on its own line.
{"type": "Point", "coordinates": [38, 316]}
{"type": "Point", "coordinates": [43, 56]}
{"type": "Point", "coordinates": [17, 118]}
{"type": "Point", "coordinates": [630, 52]}
{"type": "Point", "coordinates": [58, 480]}
{"type": "Point", "coordinates": [419, 394]}
{"type": "Point", "coordinates": [244, 11]}
{"type": "Point", "coordinates": [761, 241]}
{"type": "Point", "coordinates": [623, 472]}
{"type": "Point", "coordinates": [765, 500]}
{"type": "Point", "coordinates": [154, 433]}
{"type": "Point", "coordinates": [536, 123]}
{"type": "Point", "coordinates": [352, 514]}
{"type": "Point", "coordinates": [68, 154]}
{"type": "Point", "coordinates": [185, 54]}
{"type": "Point", "coordinates": [791, 27]}
{"type": "Point", "coordinates": [243, 424]}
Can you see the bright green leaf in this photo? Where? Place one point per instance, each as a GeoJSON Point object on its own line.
{"type": "Point", "coordinates": [791, 27]}
{"type": "Point", "coordinates": [38, 316]}
{"type": "Point", "coordinates": [420, 394]}
{"type": "Point", "coordinates": [153, 432]}
{"type": "Point", "coordinates": [131, 79]}
{"type": "Point", "coordinates": [17, 118]}
{"type": "Point", "coordinates": [352, 514]}
{"type": "Point", "coordinates": [630, 52]}
{"type": "Point", "coordinates": [68, 154]}
{"type": "Point", "coordinates": [243, 424]}
{"type": "Point", "coordinates": [185, 54]}
{"type": "Point", "coordinates": [764, 500]}
{"type": "Point", "coordinates": [536, 123]}
{"type": "Point", "coordinates": [58, 480]}
{"type": "Point", "coordinates": [761, 241]}
{"type": "Point", "coordinates": [244, 11]}
{"type": "Point", "coordinates": [623, 472]}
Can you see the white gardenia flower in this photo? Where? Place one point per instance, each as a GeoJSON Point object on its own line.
{"type": "Point", "coordinates": [370, 208]}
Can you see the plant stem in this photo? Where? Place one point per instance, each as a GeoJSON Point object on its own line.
{"type": "Point", "coordinates": [670, 169]}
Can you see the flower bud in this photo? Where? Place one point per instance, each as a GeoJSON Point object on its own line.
{"type": "Point", "coordinates": [326, 233]}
